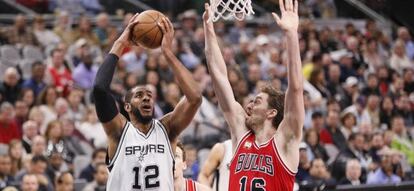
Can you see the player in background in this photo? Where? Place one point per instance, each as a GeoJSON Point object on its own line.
{"type": "Point", "coordinates": [265, 136]}
{"type": "Point", "coordinates": [216, 167]}
{"type": "Point", "coordinates": [140, 154]}
{"type": "Point", "coordinates": [181, 183]}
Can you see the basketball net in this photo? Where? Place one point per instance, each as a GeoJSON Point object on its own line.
{"type": "Point", "coordinates": [226, 9]}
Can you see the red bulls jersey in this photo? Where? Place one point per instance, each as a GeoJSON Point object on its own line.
{"type": "Point", "coordinates": [190, 185]}
{"type": "Point", "coordinates": [259, 167]}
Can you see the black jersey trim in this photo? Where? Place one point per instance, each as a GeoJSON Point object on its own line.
{"type": "Point", "coordinates": [118, 148]}
{"type": "Point", "coordinates": [166, 137]}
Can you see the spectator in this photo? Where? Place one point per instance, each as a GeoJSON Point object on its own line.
{"type": "Point", "coordinates": [10, 88]}
{"type": "Point", "coordinates": [377, 144]}
{"type": "Point", "coordinates": [304, 164]}
{"type": "Point", "coordinates": [332, 134]}
{"type": "Point", "coordinates": [56, 165]}
{"type": "Point", "coordinates": [46, 101]}
{"type": "Point", "coordinates": [64, 182]}
{"type": "Point", "coordinates": [402, 141]}
{"type": "Point", "coordinates": [8, 125]}
{"type": "Point", "coordinates": [135, 60]}
{"type": "Point", "coordinates": [21, 113]}
{"type": "Point", "coordinates": [317, 79]}
{"type": "Point", "coordinates": [372, 56]}
{"type": "Point", "coordinates": [351, 92]}
{"type": "Point", "coordinates": [353, 173]}
{"type": "Point", "coordinates": [72, 138]}
{"type": "Point", "coordinates": [55, 141]}
{"type": "Point", "coordinates": [354, 150]}
{"type": "Point", "coordinates": [30, 130]}
{"type": "Point", "coordinates": [348, 121]}
{"type": "Point", "coordinates": [192, 162]}
{"type": "Point", "coordinates": [404, 35]}
{"type": "Point", "coordinates": [372, 86]}
{"type": "Point", "coordinates": [98, 157]}
{"type": "Point", "coordinates": [100, 179]}
{"type": "Point", "coordinates": [63, 27]}
{"type": "Point", "coordinates": [317, 121]}
{"type": "Point", "coordinates": [84, 74]}
{"type": "Point", "coordinates": [60, 76]}
{"type": "Point", "coordinates": [386, 112]}
{"type": "Point", "coordinates": [30, 182]}
{"type": "Point", "coordinates": [19, 34]}
{"type": "Point", "coordinates": [6, 177]}
{"type": "Point", "coordinates": [84, 30]}
{"type": "Point", "coordinates": [403, 107]}
{"type": "Point", "coordinates": [384, 174]}
{"type": "Point", "coordinates": [38, 167]}
{"type": "Point", "coordinates": [36, 82]}
{"type": "Point", "coordinates": [92, 130]}
{"type": "Point", "coordinates": [408, 80]}
{"type": "Point", "coordinates": [319, 176]}
{"type": "Point", "coordinates": [104, 31]}
{"type": "Point", "coordinates": [396, 89]}
{"type": "Point", "coordinates": [314, 148]}
{"type": "Point", "coordinates": [76, 110]}
{"type": "Point", "coordinates": [27, 96]}
{"type": "Point", "coordinates": [16, 155]}
{"type": "Point", "coordinates": [399, 59]}
{"type": "Point", "coordinates": [45, 36]}
{"type": "Point", "coordinates": [334, 81]}
{"type": "Point", "coordinates": [371, 111]}
{"type": "Point", "coordinates": [38, 146]}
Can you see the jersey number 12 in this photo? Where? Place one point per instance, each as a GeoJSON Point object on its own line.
{"type": "Point", "coordinates": [151, 174]}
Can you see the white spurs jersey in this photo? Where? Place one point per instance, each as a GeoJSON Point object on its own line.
{"type": "Point", "coordinates": [142, 162]}
{"type": "Point", "coordinates": [221, 181]}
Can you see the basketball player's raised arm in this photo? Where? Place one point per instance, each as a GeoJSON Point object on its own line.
{"type": "Point", "coordinates": [210, 165]}
{"type": "Point", "coordinates": [184, 112]}
{"type": "Point", "coordinates": [232, 110]}
{"type": "Point", "coordinates": [105, 104]}
{"type": "Point", "coordinates": [294, 111]}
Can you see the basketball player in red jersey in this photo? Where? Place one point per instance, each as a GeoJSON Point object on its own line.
{"type": "Point", "coordinates": [181, 183]}
{"type": "Point", "coordinates": [265, 135]}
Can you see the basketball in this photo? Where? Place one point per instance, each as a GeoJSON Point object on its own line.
{"type": "Point", "coordinates": [146, 32]}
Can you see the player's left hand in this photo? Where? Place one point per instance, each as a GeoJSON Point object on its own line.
{"type": "Point", "coordinates": [289, 20]}
{"type": "Point", "coordinates": [167, 29]}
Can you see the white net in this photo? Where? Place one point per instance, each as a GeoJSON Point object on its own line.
{"type": "Point", "coordinates": [227, 9]}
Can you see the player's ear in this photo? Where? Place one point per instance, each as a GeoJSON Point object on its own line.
{"type": "Point", "coordinates": [184, 165]}
{"type": "Point", "coordinates": [271, 113]}
{"type": "Point", "coordinates": [127, 107]}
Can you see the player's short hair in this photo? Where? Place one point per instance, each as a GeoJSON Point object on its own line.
{"type": "Point", "coordinates": [181, 146]}
{"type": "Point", "coordinates": [276, 100]}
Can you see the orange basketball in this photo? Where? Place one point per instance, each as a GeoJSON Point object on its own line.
{"type": "Point", "coordinates": [147, 33]}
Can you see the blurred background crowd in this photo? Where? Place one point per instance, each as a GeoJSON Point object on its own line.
{"type": "Point", "coordinates": [359, 88]}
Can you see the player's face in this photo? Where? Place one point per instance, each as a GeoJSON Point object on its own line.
{"type": "Point", "coordinates": [257, 110]}
{"type": "Point", "coordinates": [142, 104]}
{"type": "Point", "coordinates": [180, 165]}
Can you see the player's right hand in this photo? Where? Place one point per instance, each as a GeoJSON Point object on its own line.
{"type": "Point", "coordinates": [207, 13]}
{"type": "Point", "coordinates": [125, 37]}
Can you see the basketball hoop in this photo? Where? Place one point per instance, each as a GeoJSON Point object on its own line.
{"type": "Point", "coordinates": [226, 9]}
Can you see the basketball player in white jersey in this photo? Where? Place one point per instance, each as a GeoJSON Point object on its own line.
{"type": "Point", "coordinates": [140, 154]}
{"type": "Point", "coordinates": [181, 183]}
{"type": "Point", "coordinates": [217, 164]}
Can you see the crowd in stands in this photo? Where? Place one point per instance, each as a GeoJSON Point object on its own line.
{"type": "Point", "coordinates": [359, 100]}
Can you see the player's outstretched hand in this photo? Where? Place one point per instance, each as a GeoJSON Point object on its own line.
{"type": "Point", "coordinates": [167, 29]}
{"type": "Point", "coordinates": [126, 37]}
{"type": "Point", "coordinates": [289, 20]}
